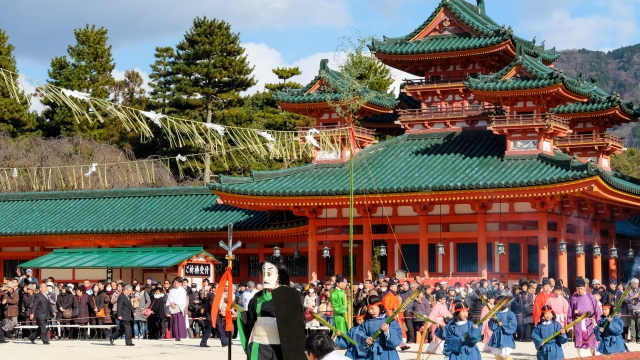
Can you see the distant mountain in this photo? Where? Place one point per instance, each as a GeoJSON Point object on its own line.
{"type": "Point", "coordinates": [617, 70]}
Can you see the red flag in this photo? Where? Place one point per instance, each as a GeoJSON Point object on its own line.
{"type": "Point", "coordinates": [226, 278]}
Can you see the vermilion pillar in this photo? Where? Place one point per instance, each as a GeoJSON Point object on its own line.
{"type": "Point", "coordinates": [597, 260]}
{"type": "Point", "coordinates": [338, 263]}
{"type": "Point", "coordinates": [580, 260]}
{"type": "Point", "coordinates": [482, 244]}
{"type": "Point", "coordinates": [424, 244]}
{"type": "Point", "coordinates": [313, 248]}
{"type": "Point", "coordinates": [543, 244]}
{"type": "Point", "coordinates": [367, 249]}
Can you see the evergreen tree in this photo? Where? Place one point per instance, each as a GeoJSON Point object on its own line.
{"type": "Point", "coordinates": [209, 72]}
{"type": "Point", "coordinates": [87, 69]}
{"type": "Point", "coordinates": [161, 84]}
{"type": "Point", "coordinates": [15, 116]}
{"type": "Point", "coordinates": [285, 74]}
{"type": "Point", "coordinates": [376, 74]}
{"type": "Point", "coordinates": [129, 91]}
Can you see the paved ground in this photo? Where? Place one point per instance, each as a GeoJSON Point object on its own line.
{"type": "Point", "coordinates": [168, 349]}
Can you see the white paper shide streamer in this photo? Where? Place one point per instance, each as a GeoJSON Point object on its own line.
{"type": "Point", "coordinates": [92, 169]}
{"type": "Point", "coordinates": [266, 135]}
{"type": "Point", "coordinates": [76, 94]}
{"type": "Point", "coordinates": [154, 116]}
{"type": "Point", "coordinates": [311, 139]}
{"type": "Point", "coordinates": [181, 158]}
{"type": "Point", "coordinates": [216, 127]}
{"type": "Point", "coordinates": [14, 173]}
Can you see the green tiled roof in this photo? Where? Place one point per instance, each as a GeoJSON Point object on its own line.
{"type": "Point", "coordinates": [417, 162]}
{"type": "Point", "coordinates": [385, 119]}
{"type": "Point", "coordinates": [335, 80]}
{"type": "Point", "coordinates": [609, 102]}
{"type": "Point", "coordinates": [184, 209]}
{"type": "Point", "coordinates": [490, 34]}
{"type": "Point", "coordinates": [155, 257]}
{"type": "Point", "coordinates": [542, 77]}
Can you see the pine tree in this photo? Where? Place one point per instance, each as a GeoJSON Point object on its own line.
{"type": "Point", "coordinates": [285, 74]}
{"type": "Point", "coordinates": [161, 83]}
{"type": "Point", "coordinates": [87, 69]}
{"type": "Point", "coordinates": [15, 116]}
{"type": "Point", "coordinates": [376, 74]}
{"type": "Point", "coordinates": [129, 91]}
{"type": "Point", "coordinates": [210, 70]}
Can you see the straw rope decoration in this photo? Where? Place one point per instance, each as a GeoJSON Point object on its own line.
{"type": "Point", "coordinates": [257, 143]}
{"type": "Point", "coordinates": [143, 172]}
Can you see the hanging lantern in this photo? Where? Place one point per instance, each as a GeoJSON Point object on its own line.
{"type": "Point", "coordinates": [562, 246]}
{"type": "Point", "coordinates": [631, 253]}
{"type": "Point", "coordinates": [276, 252]}
{"type": "Point", "coordinates": [596, 250]}
{"type": "Point", "coordinates": [383, 250]}
{"type": "Point", "coordinates": [500, 248]}
{"type": "Point", "coordinates": [440, 249]}
{"type": "Point", "coordinates": [296, 254]}
{"type": "Point", "coordinates": [579, 249]}
{"type": "Point", "coordinates": [613, 252]}
{"type": "Point", "coordinates": [326, 252]}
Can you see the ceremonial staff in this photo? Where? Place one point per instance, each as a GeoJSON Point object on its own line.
{"type": "Point", "coordinates": [226, 278]}
{"type": "Point", "coordinates": [615, 310]}
{"type": "Point", "coordinates": [588, 314]}
{"type": "Point", "coordinates": [406, 303]}
{"type": "Point", "coordinates": [334, 329]}
{"type": "Point", "coordinates": [491, 312]}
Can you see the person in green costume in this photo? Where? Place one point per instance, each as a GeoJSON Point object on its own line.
{"type": "Point", "coordinates": [339, 302]}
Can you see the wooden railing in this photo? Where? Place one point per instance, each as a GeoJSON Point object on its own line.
{"type": "Point", "coordinates": [359, 131]}
{"type": "Point", "coordinates": [528, 120]}
{"type": "Point", "coordinates": [435, 80]}
{"type": "Point", "coordinates": [446, 112]}
{"type": "Point", "coordinates": [588, 139]}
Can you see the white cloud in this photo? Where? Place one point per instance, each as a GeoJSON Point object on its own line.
{"type": "Point", "coordinates": [600, 25]}
{"type": "Point", "coordinates": [265, 59]}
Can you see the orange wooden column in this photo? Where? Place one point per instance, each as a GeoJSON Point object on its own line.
{"type": "Point", "coordinates": [543, 244]}
{"type": "Point", "coordinates": [597, 260]}
{"type": "Point", "coordinates": [313, 248]}
{"type": "Point", "coordinates": [580, 258]}
{"type": "Point", "coordinates": [483, 267]}
{"type": "Point", "coordinates": [338, 263]}
{"type": "Point", "coordinates": [367, 250]}
{"type": "Point", "coordinates": [424, 244]}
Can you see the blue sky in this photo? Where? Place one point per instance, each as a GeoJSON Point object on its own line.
{"type": "Point", "coordinates": [292, 32]}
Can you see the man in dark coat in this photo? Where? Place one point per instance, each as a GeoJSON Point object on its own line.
{"type": "Point", "coordinates": [125, 315]}
{"type": "Point", "coordinates": [207, 322]}
{"type": "Point", "coordinates": [41, 311]}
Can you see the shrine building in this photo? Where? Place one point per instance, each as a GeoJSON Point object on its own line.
{"type": "Point", "coordinates": [494, 164]}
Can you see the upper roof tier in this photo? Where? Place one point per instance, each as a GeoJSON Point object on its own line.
{"type": "Point", "coordinates": [425, 162]}
{"type": "Point", "coordinates": [455, 26]}
{"type": "Point", "coordinates": [528, 73]}
{"type": "Point", "coordinates": [607, 105]}
{"type": "Point", "coordinates": [315, 92]}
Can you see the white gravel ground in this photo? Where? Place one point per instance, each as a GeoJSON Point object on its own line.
{"type": "Point", "coordinates": [169, 349]}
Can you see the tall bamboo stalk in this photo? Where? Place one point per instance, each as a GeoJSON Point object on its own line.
{"type": "Point", "coordinates": [350, 320]}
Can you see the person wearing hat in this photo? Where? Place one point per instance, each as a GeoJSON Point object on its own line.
{"type": "Point", "coordinates": [580, 303]}
{"type": "Point", "coordinates": [503, 325]}
{"type": "Point", "coordinates": [440, 313]}
{"type": "Point", "coordinates": [391, 302]}
{"type": "Point", "coordinates": [10, 302]}
{"type": "Point", "coordinates": [541, 300]}
{"type": "Point", "coordinates": [610, 338]}
{"type": "Point", "coordinates": [29, 278]}
{"type": "Point", "coordinates": [339, 303]}
{"type": "Point", "coordinates": [559, 304]}
{"type": "Point", "coordinates": [352, 350]}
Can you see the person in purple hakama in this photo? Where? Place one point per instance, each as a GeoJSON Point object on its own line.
{"type": "Point", "coordinates": [177, 302]}
{"type": "Point", "coordinates": [580, 303]}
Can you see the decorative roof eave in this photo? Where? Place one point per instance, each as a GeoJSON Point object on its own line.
{"type": "Point", "coordinates": [558, 88]}
{"type": "Point", "coordinates": [615, 111]}
{"type": "Point", "coordinates": [507, 45]}
{"type": "Point", "coordinates": [575, 187]}
{"type": "Point", "coordinates": [324, 106]}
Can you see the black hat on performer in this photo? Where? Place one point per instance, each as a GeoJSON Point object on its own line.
{"type": "Point", "coordinates": [557, 287]}
{"type": "Point", "coordinates": [545, 281]}
{"type": "Point", "coordinates": [580, 282]}
{"type": "Point", "coordinates": [491, 295]}
{"type": "Point", "coordinates": [500, 298]}
{"type": "Point", "coordinates": [440, 295]}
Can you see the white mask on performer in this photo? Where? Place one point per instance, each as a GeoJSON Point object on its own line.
{"type": "Point", "coordinates": [269, 276]}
